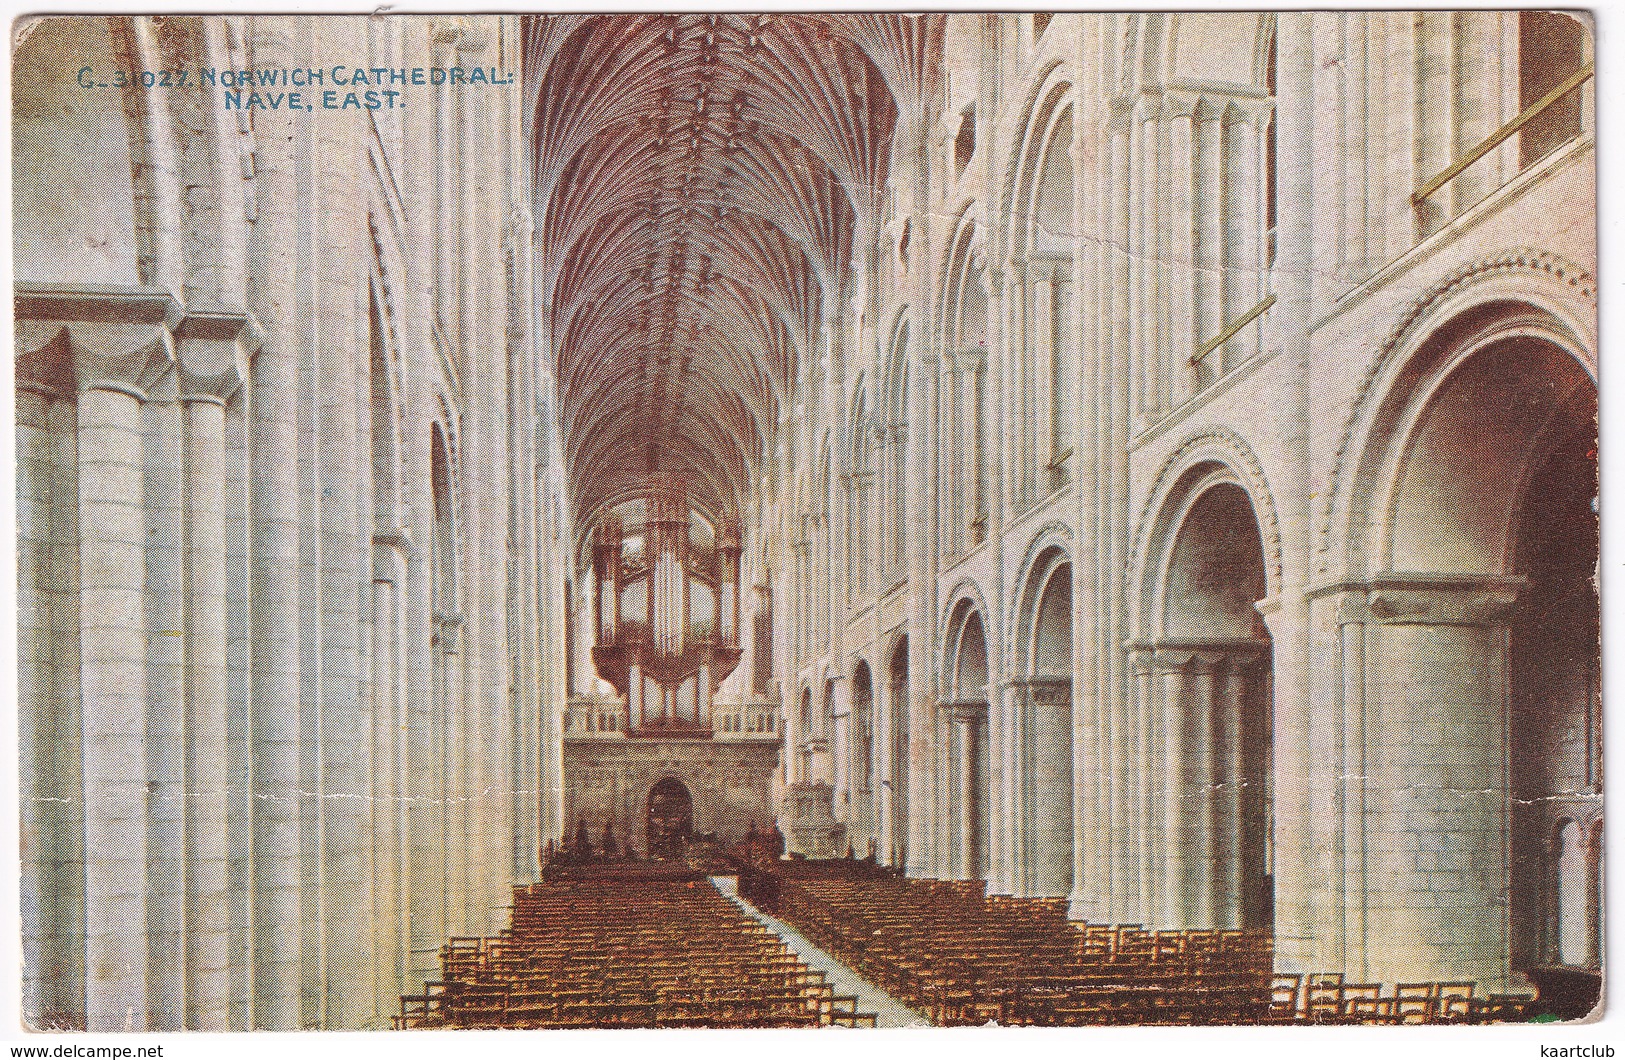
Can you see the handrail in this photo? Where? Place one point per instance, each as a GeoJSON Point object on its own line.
{"type": "Point", "coordinates": [1230, 332]}
{"type": "Point", "coordinates": [1499, 136]}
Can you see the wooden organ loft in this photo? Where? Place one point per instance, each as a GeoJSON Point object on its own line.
{"type": "Point", "coordinates": [662, 757]}
{"type": "Point", "coordinates": [666, 624]}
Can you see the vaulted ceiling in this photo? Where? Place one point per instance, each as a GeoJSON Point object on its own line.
{"type": "Point", "coordinates": [700, 184]}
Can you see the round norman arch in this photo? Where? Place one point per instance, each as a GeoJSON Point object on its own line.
{"type": "Point", "coordinates": [1545, 290]}
{"type": "Point", "coordinates": [965, 601]}
{"type": "Point", "coordinates": [1204, 664]}
{"type": "Point", "coordinates": [1466, 523]}
{"type": "Point", "coordinates": [1046, 778]}
{"type": "Point", "coordinates": [964, 740]}
{"type": "Point", "coordinates": [1041, 155]}
{"type": "Point", "coordinates": [668, 818]}
{"type": "Point", "coordinates": [1036, 92]}
{"type": "Point", "coordinates": [1213, 456]}
{"type": "Point", "coordinates": [1051, 545]}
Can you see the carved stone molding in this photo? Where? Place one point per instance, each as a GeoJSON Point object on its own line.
{"type": "Point", "coordinates": [1396, 343]}
{"type": "Point", "coordinates": [1165, 655]}
{"type": "Point", "coordinates": [213, 348]}
{"type": "Point", "coordinates": [1442, 600]}
{"type": "Point", "coordinates": [1222, 446]}
{"type": "Point", "coordinates": [109, 338]}
{"type": "Point", "coordinates": [1048, 691]}
{"type": "Point", "coordinates": [970, 711]}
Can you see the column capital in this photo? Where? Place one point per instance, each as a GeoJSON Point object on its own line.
{"type": "Point", "coordinates": [1119, 113]}
{"type": "Point", "coordinates": [212, 348]}
{"type": "Point", "coordinates": [1173, 653]}
{"type": "Point", "coordinates": [1247, 110]}
{"type": "Point", "coordinates": [969, 711]}
{"type": "Point", "coordinates": [397, 539]}
{"type": "Point", "coordinates": [1427, 599]}
{"type": "Point", "coordinates": [968, 359]}
{"type": "Point", "coordinates": [112, 338]}
{"type": "Point", "coordinates": [1180, 104]}
{"type": "Point", "coordinates": [1047, 691]}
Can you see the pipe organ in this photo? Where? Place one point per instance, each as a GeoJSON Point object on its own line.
{"type": "Point", "coordinates": [666, 623]}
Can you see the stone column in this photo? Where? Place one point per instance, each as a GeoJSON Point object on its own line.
{"type": "Point", "coordinates": [1016, 383]}
{"type": "Point", "coordinates": [1423, 837]}
{"type": "Point", "coordinates": [1184, 196]}
{"type": "Point", "coordinates": [1118, 679]}
{"type": "Point", "coordinates": [1042, 351]}
{"type": "Point", "coordinates": [1297, 753]}
{"type": "Point", "coordinates": [840, 744]}
{"type": "Point", "coordinates": [1202, 853]}
{"type": "Point", "coordinates": [48, 728]}
{"type": "Point", "coordinates": [1006, 701]}
{"type": "Point", "coordinates": [1231, 905]}
{"type": "Point", "coordinates": [120, 345]}
{"type": "Point", "coordinates": [274, 637]}
{"type": "Point", "coordinates": [1170, 683]}
{"type": "Point", "coordinates": [213, 351]}
{"type": "Point", "coordinates": [1141, 879]}
{"type": "Point", "coordinates": [1145, 213]}
{"type": "Point", "coordinates": [391, 936]}
{"type": "Point", "coordinates": [964, 718]}
{"type": "Point", "coordinates": [1054, 790]}
{"type": "Point", "coordinates": [1244, 278]}
{"type": "Point", "coordinates": [1211, 275]}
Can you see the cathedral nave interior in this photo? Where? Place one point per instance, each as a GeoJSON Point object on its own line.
{"type": "Point", "coordinates": [1121, 485]}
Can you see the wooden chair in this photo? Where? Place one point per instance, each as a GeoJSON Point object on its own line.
{"type": "Point", "coordinates": [1323, 997]}
{"type": "Point", "coordinates": [1285, 993]}
{"type": "Point", "coordinates": [1453, 1001]}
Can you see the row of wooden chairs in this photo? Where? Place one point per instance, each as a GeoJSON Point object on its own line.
{"type": "Point", "coordinates": [961, 956]}
{"type": "Point", "coordinates": [620, 947]}
{"type": "Point", "coordinates": [1327, 997]}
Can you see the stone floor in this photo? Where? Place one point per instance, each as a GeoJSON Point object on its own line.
{"type": "Point", "coordinates": [888, 1010]}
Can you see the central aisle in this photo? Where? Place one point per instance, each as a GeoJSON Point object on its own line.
{"type": "Point", "coordinates": [889, 1012]}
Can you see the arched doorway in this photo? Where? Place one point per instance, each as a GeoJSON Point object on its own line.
{"type": "Point", "coordinates": [896, 801]}
{"type": "Point", "coordinates": [861, 769]}
{"type": "Point", "coordinates": [804, 753]}
{"type": "Point", "coordinates": [670, 819]}
{"type": "Point", "coordinates": [964, 741]}
{"type": "Point", "coordinates": [1205, 686]}
{"type": "Point", "coordinates": [1479, 536]}
{"type": "Point", "coordinates": [1044, 788]}
{"type": "Point", "coordinates": [1555, 708]}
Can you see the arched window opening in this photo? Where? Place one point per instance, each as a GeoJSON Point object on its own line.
{"type": "Point", "coordinates": [965, 141]}
{"type": "Point", "coordinates": [1208, 692]}
{"type": "Point", "coordinates": [1551, 50]}
{"type": "Point", "coordinates": [963, 442]}
{"type": "Point", "coordinates": [863, 745]}
{"type": "Point", "coordinates": [897, 706]}
{"type": "Point", "coordinates": [860, 499]}
{"type": "Point", "coordinates": [1045, 657]}
{"type": "Point", "coordinates": [897, 481]}
{"type": "Point", "coordinates": [966, 745]}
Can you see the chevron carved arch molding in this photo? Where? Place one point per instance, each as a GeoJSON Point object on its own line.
{"type": "Point", "coordinates": [1220, 446]}
{"type": "Point", "coordinates": [1564, 285]}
